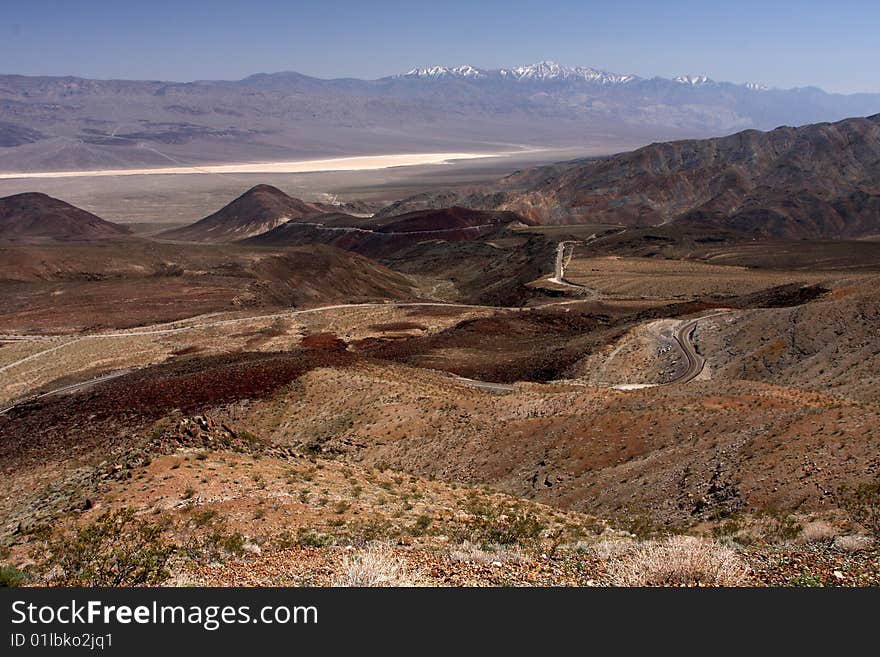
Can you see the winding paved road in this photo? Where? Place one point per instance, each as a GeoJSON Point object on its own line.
{"type": "Point", "coordinates": [695, 362]}
{"type": "Point", "coordinates": [683, 336]}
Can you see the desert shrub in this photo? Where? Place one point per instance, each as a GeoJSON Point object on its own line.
{"type": "Point", "coordinates": [817, 531]}
{"type": "Point", "coordinates": [117, 549]}
{"type": "Point", "coordinates": [607, 549]}
{"type": "Point", "coordinates": [203, 518]}
{"type": "Point", "coordinates": [771, 527]}
{"type": "Point", "coordinates": [308, 538]}
{"type": "Point", "coordinates": [728, 528]}
{"type": "Point", "coordinates": [679, 561]}
{"type": "Point", "coordinates": [805, 580]}
{"type": "Point", "coordinates": [862, 503]}
{"type": "Point", "coordinates": [853, 543]}
{"type": "Point", "coordinates": [643, 526]}
{"type": "Point", "coordinates": [209, 538]}
{"type": "Point", "coordinates": [11, 576]}
{"type": "Point", "coordinates": [778, 527]}
{"type": "Point", "coordinates": [375, 566]}
{"type": "Point", "coordinates": [220, 542]}
{"type": "Point", "coordinates": [374, 529]}
{"type": "Point", "coordinates": [489, 526]}
{"type": "Point", "coordinates": [285, 540]}
{"type": "Point", "coordinates": [469, 552]}
{"type": "Point", "coordinates": [517, 528]}
{"type": "Point", "coordinates": [420, 526]}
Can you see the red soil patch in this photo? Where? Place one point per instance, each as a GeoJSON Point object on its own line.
{"type": "Point", "coordinates": [115, 412]}
{"type": "Point", "coordinates": [399, 326]}
{"type": "Point", "coordinates": [323, 342]}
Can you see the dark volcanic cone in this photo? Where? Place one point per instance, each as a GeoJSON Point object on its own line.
{"type": "Point", "coordinates": [258, 210]}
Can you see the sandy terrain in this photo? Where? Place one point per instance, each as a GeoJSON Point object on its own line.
{"type": "Point", "coordinates": [184, 198]}
{"type": "Point", "coordinates": [648, 278]}
{"type": "Point", "coordinates": [31, 363]}
{"type": "Point", "coordinates": [321, 408]}
{"type": "Point", "coordinates": [360, 163]}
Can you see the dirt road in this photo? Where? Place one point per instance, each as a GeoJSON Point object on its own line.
{"type": "Point", "coordinates": [683, 337]}
{"type": "Point", "coordinates": [175, 328]}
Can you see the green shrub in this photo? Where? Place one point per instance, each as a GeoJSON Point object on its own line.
{"type": "Point", "coordinates": [221, 542]}
{"type": "Point", "coordinates": [518, 528]}
{"type": "Point", "coordinates": [513, 527]}
{"type": "Point", "coordinates": [11, 576]}
{"type": "Point", "coordinates": [308, 538]}
{"type": "Point", "coordinates": [862, 503]}
{"type": "Point", "coordinates": [805, 579]}
{"type": "Point", "coordinates": [117, 549]}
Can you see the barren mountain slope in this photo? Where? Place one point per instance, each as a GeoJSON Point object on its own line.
{"type": "Point", "coordinates": [33, 218]}
{"type": "Point", "coordinates": [51, 288]}
{"type": "Point", "coordinates": [831, 345]}
{"type": "Point", "coordinates": [673, 455]}
{"type": "Point", "coordinates": [258, 210]}
{"type": "Point", "coordinates": [384, 235]}
{"type": "Point", "coordinates": [816, 181]}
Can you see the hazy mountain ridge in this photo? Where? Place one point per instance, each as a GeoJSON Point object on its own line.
{"type": "Point", "coordinates": [817, 181]}
{"type": "Point", "coordinates": [49, 123]}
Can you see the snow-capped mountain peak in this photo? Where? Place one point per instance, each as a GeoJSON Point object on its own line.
{"type": "Point", "coordinates": [693, 80]}
{"type": "Point", "coordinates": [550, 71]}
{"type": "Point", "coordinates": [545, 70]}
{"type": "Point", "coordinates": [435, 72]}
{"type": "Point", "coordinates": [541, 72]}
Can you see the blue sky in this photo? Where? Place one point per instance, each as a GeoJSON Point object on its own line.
{"type": "Point", "coordinates": [834, 45]}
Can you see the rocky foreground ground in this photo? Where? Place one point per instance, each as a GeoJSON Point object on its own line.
{"type": "Point", "coordinates": [206, 504]}
{"type": "Point", "coordinates": [813, 565]}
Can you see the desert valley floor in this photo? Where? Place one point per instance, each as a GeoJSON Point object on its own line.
{"type": "Point", "coordinates": [467, 390]}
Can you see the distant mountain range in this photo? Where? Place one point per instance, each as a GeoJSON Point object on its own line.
{"type": "Point", "coordinates": [819, 181]}
{"type": "Point", "coordinates": [69, 123]}
{"type": "Point", "coordinates": [540, 72]}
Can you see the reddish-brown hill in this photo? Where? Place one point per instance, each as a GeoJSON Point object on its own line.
{"type": "Point", "coordinates": [36, 218]}
{"type": "Point", "coordinates": [87, 285]}
{"type": "Point", "coordinates": [816, 181]}
{"type": "Point", "coordinates": [258, 210]}
{"type": "Point", "coordinates": [443, 220]}
{"type": "Point", "coordinates": [382, 237]}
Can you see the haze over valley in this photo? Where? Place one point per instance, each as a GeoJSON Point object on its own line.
{"type": "Point", "coordinates": [72, 124]}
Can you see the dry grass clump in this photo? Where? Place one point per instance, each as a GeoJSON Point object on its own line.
{"type": "Point", "coordinates": [607, 549]}
{"type": "Point", "coordinates": [817, 531]}
{"type": "Point", "coordinates": [376, 565]}
{"type": "Point", "coordinates": [469, 552]}
{"type": "Point", "coordinates": [853, 543]}
{"type": "Point", "coordinates": [679, 561]}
